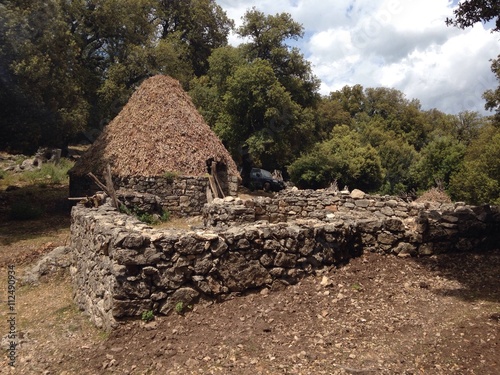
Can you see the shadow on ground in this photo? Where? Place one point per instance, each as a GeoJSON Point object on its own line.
{"type": "Point", "coordinates": [32, 211]}
{"type": "Point", "coordinates": [478, 274]}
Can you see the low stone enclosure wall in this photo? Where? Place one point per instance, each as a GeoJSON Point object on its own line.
{"type": "Point", "coordinates": [123, 267]}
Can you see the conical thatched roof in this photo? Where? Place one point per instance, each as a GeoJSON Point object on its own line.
{"type": "Point", "coordinates": [158, 131]}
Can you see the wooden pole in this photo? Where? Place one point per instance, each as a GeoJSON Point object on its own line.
{"type": "Point", "coordinates": [111, 189]}
{"type": "Point", "coordinates": [108, 188]}
{"type": "Point", "coordinates": [213, 169]}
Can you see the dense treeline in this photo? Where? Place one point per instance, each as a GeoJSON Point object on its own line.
{"type": "Point", "coordinates": [69, 66]}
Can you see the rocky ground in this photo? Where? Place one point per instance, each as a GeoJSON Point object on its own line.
{"type": "Point", "coordinates": [376, 315]}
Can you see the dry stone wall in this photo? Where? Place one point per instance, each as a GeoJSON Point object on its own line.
{"type": "Point", "coordinates": [123, 267]}
{"type": "Point", "coordinates": [417, 228]}
{"type": "Point", "coordinates": [182, 196]}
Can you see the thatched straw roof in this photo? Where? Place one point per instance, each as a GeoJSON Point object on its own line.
{"type": "Point", "coordinates": [158, 131]}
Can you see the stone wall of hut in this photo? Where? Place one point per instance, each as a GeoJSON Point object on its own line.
{"type": "Point", "coordinates": [179, 195]}
{"type": "Point", "coordinates": [123, 267]}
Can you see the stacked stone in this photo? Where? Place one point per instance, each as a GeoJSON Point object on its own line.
{"type": "Point", "coordinates": [292, 205]}
{"type": "Point", "coordinates": [228, 211]}
{"type": "Point", "coordinates": [124, 267]}
{"type": "Point", "coordinates": [182, 196]}
{"type": "Point", "coordinates": [464, 228]}
{"type": "Point", "coordinates": [140, 202]}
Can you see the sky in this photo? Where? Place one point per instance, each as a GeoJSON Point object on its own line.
{"type": "Point", "coordinates": [402, 44]}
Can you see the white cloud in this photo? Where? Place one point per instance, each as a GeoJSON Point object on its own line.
{"type": "Point", "coordinates": [403, 44]}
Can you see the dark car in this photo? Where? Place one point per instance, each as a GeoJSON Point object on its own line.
{"type": "Point", "coordinates": [260, 179]}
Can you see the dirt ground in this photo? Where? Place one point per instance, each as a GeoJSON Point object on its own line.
{"type": "Point", "coordinates": [375, 315]}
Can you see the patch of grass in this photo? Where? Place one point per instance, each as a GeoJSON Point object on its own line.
{"type": "Point", "coordinates": [165, 216]}
{"type": "Point", "coordinates": [125, 210]}
{"type": "Point", "coordinates": [103, 335]}
{"type": "Point", "coordinates": [50, 173]}
{"type": "Point", "coordinates": [170, 176]}
{"type": "Point", "coordinates": [7, 179]}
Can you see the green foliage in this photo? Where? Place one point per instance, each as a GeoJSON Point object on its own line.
{"type": "Point", "coordinates": [262, 93]}
{"type": "Point", "coordinates": [146, 217]}
{"type": "Point", "coordinates": [24, 210]}
{"type": "Point", "coordinates": [343, 158]}
{"type": "Point", "coordinates": [492, 97]}
{"type": "Point", "coordinates": [67, 65]}
{"type": "Point", "coordinates": [165, 216]}
{"type": "Point", "coordinates": [397, 158]}
{"type": "Point", "coordinates": [147, 316]}
{"type": "Point", "coordinates": [478, 179]}
{"type": "Point", "coordinates": [438, 161]}
{"type": "Point", "coordinates": [207, 91]}
{"type": "Point", "coordinates": [125, 210]}
{"type": "Point", "coordinates": [472, 11]}
{"type": "Point", "coordinates": [357, 286]}
{"type": "Point", "coordinates": [268, 35]}
{"type": "Point", "coordinates": [259, 111]}
{"type": "Point", "coordinates": [466, 14]}
{"type": "Point", "coordinates": [179, 308]}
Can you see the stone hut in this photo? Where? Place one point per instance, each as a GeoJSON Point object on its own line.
{"type": "Point", "coordinates": [159, 144]}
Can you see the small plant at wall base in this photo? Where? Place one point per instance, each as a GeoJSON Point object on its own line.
{"type": "Point", "coordinates": [181, 308]}
{"type": "Point", "coordinates": [146, 217]}
{"type": "Point", "coordinates": [170, 176]}
{"type": "Point", "coordinates": [147, 316]}
{"type": "Point", "coordinates": [165, 216]}
{"type": "Point", "coordinates": [125, 210]}
{"type": "Point", "coordinates": [154, 219]}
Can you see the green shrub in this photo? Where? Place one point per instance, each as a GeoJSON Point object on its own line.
{"type": "Point", "coordinates": [165, 216]}
{"type": "Point", "coordinates": [147, 316]}
{"type": "Point", "coordinates": [25, 211]}
{"type": "Point", "coordinates": [148, 218]}
{"type": "Point", "coordinates": [179, 307]}
{"type": "Point", "coordinates": [125, 210]}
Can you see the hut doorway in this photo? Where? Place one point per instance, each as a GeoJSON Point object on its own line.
{"type": "Point", "coordinates": [218, 178]}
